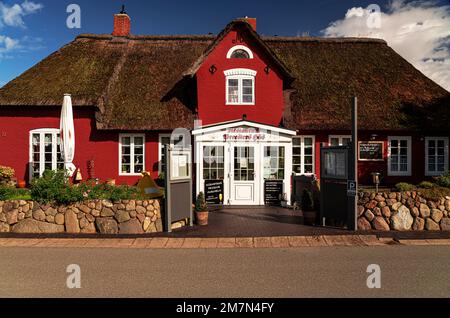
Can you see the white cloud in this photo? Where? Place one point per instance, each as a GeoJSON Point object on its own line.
{"type": "Point", "coordinates": [419, 31]}
{"type": "Point", "coordinates": [13, 15]}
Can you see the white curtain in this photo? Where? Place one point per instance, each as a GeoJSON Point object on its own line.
{"type": "Point", "coordinates": [67, 131]}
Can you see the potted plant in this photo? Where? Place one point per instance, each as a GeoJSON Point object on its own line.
{"type": "Point", "coordinates": [201, 210]}
{"type": "Point", "coordinates": [309, 215]}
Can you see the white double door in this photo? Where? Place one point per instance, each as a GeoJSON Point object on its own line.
{"type": "Point", "coordinates": [244, 174]}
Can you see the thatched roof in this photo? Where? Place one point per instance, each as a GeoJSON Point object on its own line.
{"type": "Point", "coordinates": [147, 82]}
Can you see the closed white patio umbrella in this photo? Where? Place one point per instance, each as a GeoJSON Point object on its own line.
{"type": "Point", "coordinates": [67, 131]}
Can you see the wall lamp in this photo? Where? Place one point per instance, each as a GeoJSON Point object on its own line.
{"type": "Point", "coordinates": [267, 69]}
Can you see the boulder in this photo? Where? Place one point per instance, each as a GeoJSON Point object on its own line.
{"type": "Point", "coordinates": [39, 215]}
{"type": "Point", "coordinates": [131, 205]}
{"type": "Point", "coordinates": [141, 210]}
{"type": "Point", "coordinates": [106, 212]}
{"type": "Point", "coordinates": [369, 215]}
{"type": "Point", "coordinates": [122, 216]}
{"type": "Point", "coordinates": [363, 224]}
{"type": "Point", "coordinates": [424, 211]}
{"type": "Point", "coordinates": [11, 216]}
{"type": "Point", "coordinates": [59, 219]}
{"type": "Point", "coordinates": [419, 224]}
{"type": "Point", "coordinates": [89, 229]}
{"type": "Point", "coordinates": [391, 202]}
{"type": "Point", "coordinates": [30, 226]}
{"type": "Point", "coordinates": [379, 224]}
{"type": "Point", "coordinates": [436, 215]}
{"type": "Point", "coordinates": [402, 219]}
{"type": "Point", "coordinates": [386, 212]}
{"type": "Point", "coordinates": [107, 226]}
{"type": "Point", "coordinates": [85, 208]}
{"type": "Point", "coordinates": [447, 205]}
{"type": "Point", "coordinates": [430, 225]}
{"type": "Point", "coordinates": [445, 224]}
{"type": "Point", "coordinates": [131, 227]}
{"type": "Point", "coordinates": [396, 206]}
{"type": "Point", "coordinates": [4, 227]}
{"type": "Point", "coordinates": [415, 212]}
{"type": "Point", "coordinates": [72, 225]}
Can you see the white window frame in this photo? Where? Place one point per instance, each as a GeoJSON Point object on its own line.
{"type": "Point", "coordinates": [43, 131]}
{"type": "Point", "coordinates": [302, 155]}
{"type": "Point", "coordinates": [409, 154]}
{"type": "Point", "coordinates": [160, 151]}
{"type": "Point", "coordinates": [340, 137]}
{"type": "Point", "coordinates": [240, 74]}
{"type": "Point", "coordinates": [239, 47]}
{"type": "Point", "coordinates": [446, 152]}
{"type": "Point", "coordinates": [132, 136]}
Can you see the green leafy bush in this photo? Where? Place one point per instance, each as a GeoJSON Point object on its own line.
{"type": "Point", "coordinates": [6, 192]}
{"type": "Point", "coordinates": [426, 185]}
{"type": "Point", "coordinates": [200, 203]}
{"type": "Point", "coordinates": [307, 200]}
{"type": "Point", "coordinates": [444, 181]}
{"type": "Point", "coordinates": [403, 186]}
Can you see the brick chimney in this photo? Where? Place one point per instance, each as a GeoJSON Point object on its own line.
{"type": "Point", "coordinates": [122, 24]}
{"type": "Point", "coordinates": [251, 21]}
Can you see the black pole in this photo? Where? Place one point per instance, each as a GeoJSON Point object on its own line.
{"type": "Point", "coordinates": [353, 168]}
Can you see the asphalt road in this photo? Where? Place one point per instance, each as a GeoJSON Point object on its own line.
{"type": "Point", "coordinates": [406, 271]}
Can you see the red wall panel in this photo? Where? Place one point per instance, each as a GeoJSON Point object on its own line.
{"type": "Point", "coordinates": [212, 108]}
{"type": "Point", "coordinates": [102, 146]}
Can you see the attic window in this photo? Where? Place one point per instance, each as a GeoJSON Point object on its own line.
{"type": "Point", "coordinates": [239, 52]}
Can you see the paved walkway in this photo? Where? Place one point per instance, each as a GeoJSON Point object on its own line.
{"type": "Point", "coordinates": [195, 243]}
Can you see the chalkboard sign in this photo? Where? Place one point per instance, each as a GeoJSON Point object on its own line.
{"type": "Point", "coordinates": [273, 192]}
{"type": "Point", "coordinates": [214, 191]}
{"type": "Point", "coordinates": [370, 151]}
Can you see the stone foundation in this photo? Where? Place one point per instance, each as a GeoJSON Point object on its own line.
{"type": "Point", "coordinates": [402, 211]}
{"type": "Point", "coordinates": [98, 216]}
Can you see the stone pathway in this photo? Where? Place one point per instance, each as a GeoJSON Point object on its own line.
{"type": "Point", "coordinates": [195, 243]}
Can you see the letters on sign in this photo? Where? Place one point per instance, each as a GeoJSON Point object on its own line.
{"type": "Point", "coordinates": [370, 151]}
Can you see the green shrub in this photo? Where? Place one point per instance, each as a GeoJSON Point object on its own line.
{"type": "Point", "coordinates": [200, 203]}
{"type": "Point", "coordinates": [426, 185]}
{"type": "Point", "coordinates": [6, 192]}
{"type": "Point", "coordinates": [403, 186]}
{"type": "Point", "coordinates": [52, 186]}
{"type": "Point", "coordinates": [444, 181]}
{"type": "Point", "coordinates": [307, 200]}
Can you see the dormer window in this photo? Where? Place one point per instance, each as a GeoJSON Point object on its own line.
{"type": "Point", "coordinates": [240, 86]}
{"type": "Point", "coordinates": [239, 52]}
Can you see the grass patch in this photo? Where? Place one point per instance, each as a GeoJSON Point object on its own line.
{"type": "Point", "coordinates": [435, 193]}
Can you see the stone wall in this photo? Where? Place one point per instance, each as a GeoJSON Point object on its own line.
{"type": "Point", "coordinates": [99, 216]}
{"type": "Point", "coordinates": [402, 211]}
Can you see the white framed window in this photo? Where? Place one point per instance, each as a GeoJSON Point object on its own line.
{"type": "Point", "coordinates": [239, 52]}
{"type": "Point", "coordinates": [213, 163]}
{"type": "Point", "coordinates": [399, 156]}
{"type": "Point", "coordinates": [131, 154]}
{"type": "Point", "coordinates": [339, 140]}
{"type": "Point", "coordinates": [240, 87]}
{"type": "Point", "coordinates": [274, 163]}
{"type": "Point", "coordinates": [45, 151]}
{"type": "Point", "coordinates": [164, 139]}
{"type": "Point", "coordinates": [303, 155]}
{"type": "Point", "coordinates": [436, 156]}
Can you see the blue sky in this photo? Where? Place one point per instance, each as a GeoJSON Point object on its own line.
{"type": "Point", "coordinates": [38, 27]}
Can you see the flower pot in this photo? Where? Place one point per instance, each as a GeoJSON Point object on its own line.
{"type": "Point", "coordinates": [201, 217]}
{"type": "Point", "coordinates": [21, 184]}
{"type": "Point", "coordinates": [309, 217]}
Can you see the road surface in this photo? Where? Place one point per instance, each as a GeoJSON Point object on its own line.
{"type": "Point", "coordinates": [406, 271]}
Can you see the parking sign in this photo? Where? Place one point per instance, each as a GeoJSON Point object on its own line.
{"type": "Point", "coordinates": [351, 188]}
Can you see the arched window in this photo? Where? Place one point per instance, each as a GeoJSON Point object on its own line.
{"type": "Point", "coordinates": [239, 52]}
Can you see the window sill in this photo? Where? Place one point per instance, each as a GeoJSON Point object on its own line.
{"type": "Point", "coordinates": [240, 104]}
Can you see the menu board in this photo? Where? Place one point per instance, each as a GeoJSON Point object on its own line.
{"type": "Point", "coordinates": [370, 151]}
{"type": "Point", "coordinates": [214, 191]}
{"type": "Point", "coordinates": [273, 192]}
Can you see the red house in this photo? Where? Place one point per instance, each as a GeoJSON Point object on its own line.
{"type": "Point", "coordinates": [257, 107]}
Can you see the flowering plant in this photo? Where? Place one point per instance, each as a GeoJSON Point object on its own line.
{"type": "Point", "coordinates": [6, 172]}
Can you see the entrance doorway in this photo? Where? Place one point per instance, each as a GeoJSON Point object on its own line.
{"type": "Point", "coordinates": [244, 176]}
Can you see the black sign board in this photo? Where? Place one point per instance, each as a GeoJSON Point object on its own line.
{"type": "Point", "coordinates": [273, 192]}
{"type": "Point", "coordinates": [370, 151]}
{"type": "Point", "coordinates": [214, 191]}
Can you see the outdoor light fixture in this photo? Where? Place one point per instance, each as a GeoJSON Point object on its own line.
{"type": "Point", "coordinates": [213, 69]}
{"type": "Point", "coordinates": [267, 70]}
{"type": "Point", "coordinates": [373, 136]}
{"type": "Point", "coordinates": [376, 179]}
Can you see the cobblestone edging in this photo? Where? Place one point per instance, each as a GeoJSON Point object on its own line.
{"type": "Point", "coordinates": [98, 216]}
{"type": "Point", "coordinates": [402, 211]}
